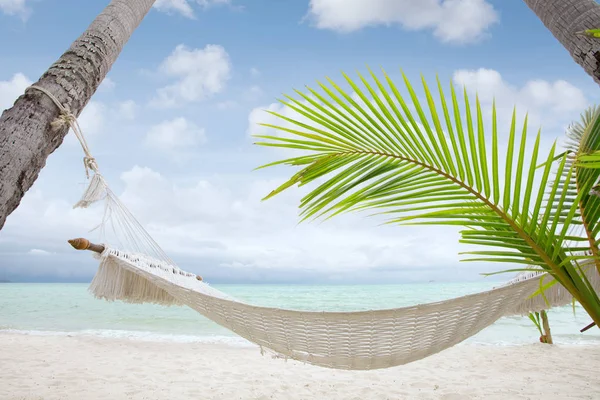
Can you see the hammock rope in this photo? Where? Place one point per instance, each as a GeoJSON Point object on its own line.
{"type": "Point", "coordinates": [139, 271]}
{"type": "Point", "coordinates": [68, 118]}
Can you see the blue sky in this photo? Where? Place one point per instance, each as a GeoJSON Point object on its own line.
{"type": "Point", "coordinates": [171, 127]}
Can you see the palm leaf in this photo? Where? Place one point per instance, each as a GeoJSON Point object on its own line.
{"type": "Point", "coordinates": [583, 140]}
{"type": "Point", "coordinates": [535, 318]}
{"type": "Point", "coordinates": [368, 150]}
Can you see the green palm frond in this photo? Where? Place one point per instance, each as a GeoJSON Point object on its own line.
{"type": "Point", "coordinates": [583, 140]}
{"type": "Point", "coordinates": [431, 164]}
{"type": "Point", "coordinates": [590, 160]}
{"type": "Point", "coordinates": [592, 33]}
{"type": "Point", "coordinates": [535, 318]}
{"type": "Point", "coordinates": [578, 136]}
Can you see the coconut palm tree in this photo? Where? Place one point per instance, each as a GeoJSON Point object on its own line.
{"type": "Point", "coordinates": [370, 151]}
{"type": "Point", "coordinates": [27, 135]}
{"type": "Point", "coordinates": [564, 19]}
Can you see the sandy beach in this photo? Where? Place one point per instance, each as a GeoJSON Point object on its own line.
{"type": "Point", "coordinates": [87, 367]}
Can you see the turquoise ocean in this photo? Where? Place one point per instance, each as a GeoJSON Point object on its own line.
{"type": "Point", "coordinates": [69, 309]}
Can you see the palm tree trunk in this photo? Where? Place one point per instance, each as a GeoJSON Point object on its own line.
{"type": "Point", "coordinates": [546, 326]}
{"type": "Point", "coordinates": [26, 136]}
{"type": "Point", "coordinates": [566, 17]}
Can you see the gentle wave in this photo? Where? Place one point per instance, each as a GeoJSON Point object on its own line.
{"type": "Point", "coordinates": [562, 340]}
{"type": "Point", "coordinates": [238, 342]}
{"type": "Point", "coordinates": [138, 336]}
{"type": "Point", "coordinates": [68, 309]}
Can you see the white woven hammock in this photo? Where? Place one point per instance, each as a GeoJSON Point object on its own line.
{"type": "Point", "coordinates": [344, 340]}
{"type": "Point", "coordinates": [141, 272]}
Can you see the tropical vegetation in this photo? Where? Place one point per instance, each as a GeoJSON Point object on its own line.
{"type": "Point", "coordinates": [377, 147]}
{"type": "Point", "coordinates": [540, 320]}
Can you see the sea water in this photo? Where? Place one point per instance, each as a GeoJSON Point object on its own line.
{"type": "Point", "coordinates": [69, 309]}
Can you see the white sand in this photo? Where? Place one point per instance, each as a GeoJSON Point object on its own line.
{"type": "Point", "coordinates": [85, 367]}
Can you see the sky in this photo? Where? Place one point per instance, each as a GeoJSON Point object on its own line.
{"type": "Point", "coordinates": [171, 128]}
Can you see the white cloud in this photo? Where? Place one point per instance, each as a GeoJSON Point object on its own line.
{"type": "Point", "coordinates": [198, 74]}
{"type": "Point", "coordinates": [210, 3]}
{"type": "Point", "coordinates": [175, 6]}
{"type": "Point", "coordinates": [60, 222]}
{"type": "Point", "coordinates": [551, 104]}
{"type": "Point", "coordinates": [97, 116]}
{"type": "Point", "coordinates": [559, 96]}
{"type": "Point", "coordinates": [107, 85]}
{"type": "Point", "coordinates": [241, 229]}
{"type": "Point", "coordinates": [453, 21]}
{"type": "Point", "coordinates": [92, 121]}
{"type": "Point", "coordinates": [254, 72]}
{"type": "Point", "coordinates": [15, 7]}
{"type": "Point", "coordinates": [93, 118]}
{"type": "Point", "coordinates": [184, 7]}
{"type": "Point", "coordinates": [127, 109]}
{"type": "Point", "coordinates": [218, 225]}
{"type": "Point", "coordinates": [175, 135]}
{"type": "Point", "coordinates": [10, 90]}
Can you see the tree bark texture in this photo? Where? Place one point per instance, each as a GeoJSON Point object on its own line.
{"type": "Point", "coordinates": [26, 136]}
{"type": "Point", "coordinates": [564, 18]}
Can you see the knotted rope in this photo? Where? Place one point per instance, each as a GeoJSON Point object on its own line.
{"type": "Point", "coordinates": [66, 117]}
{"type": "Point", "coordinates": [132, 234]}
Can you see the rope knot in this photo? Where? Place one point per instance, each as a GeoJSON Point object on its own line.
{"type": "Point", "coordinates": [64, 119]}
{"type": "Point", "coordinates": [89, 163]}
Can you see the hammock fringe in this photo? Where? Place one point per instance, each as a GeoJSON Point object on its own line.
{"type": "Point", "coordinates": [113, 282]}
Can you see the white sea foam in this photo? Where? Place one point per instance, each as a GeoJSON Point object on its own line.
{"type": "Point", "coordinates": [139, 336]}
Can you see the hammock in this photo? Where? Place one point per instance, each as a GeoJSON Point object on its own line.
{"type": "Point", "coordinates": [140, 272]}
{"type": "Point", "coordinates": [359, 340]}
